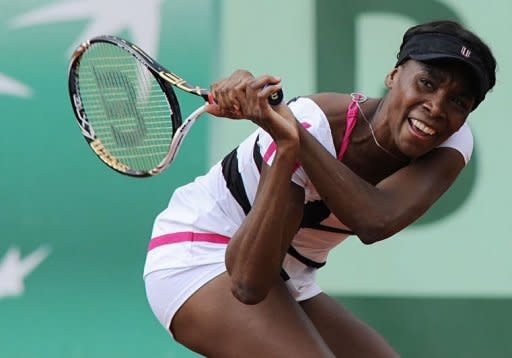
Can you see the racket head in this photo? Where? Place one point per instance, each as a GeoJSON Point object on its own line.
{"type": "Point", "coordinates": [126, 112]}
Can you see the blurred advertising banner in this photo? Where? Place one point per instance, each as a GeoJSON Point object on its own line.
{"type": "Point", "coordinates": [74, 233]}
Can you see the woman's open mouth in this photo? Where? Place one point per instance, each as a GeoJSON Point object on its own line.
{"type": "Point", "coordinates": [420, 129]}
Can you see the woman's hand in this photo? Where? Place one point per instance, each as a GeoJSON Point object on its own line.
{"type": "Point", "coordinates": [227, 93]}
{"type": "Point", "coordinates": [243, 96]}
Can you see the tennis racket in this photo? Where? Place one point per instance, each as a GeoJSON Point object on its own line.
{"type": "Point", "coordinates": [126, 106]}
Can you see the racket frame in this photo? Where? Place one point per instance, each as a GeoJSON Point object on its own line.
{"type": "Point", "coordinates": [164, 78]}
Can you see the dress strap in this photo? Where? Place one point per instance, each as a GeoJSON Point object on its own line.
{"type": "Point", "coordinates": [351, 119]}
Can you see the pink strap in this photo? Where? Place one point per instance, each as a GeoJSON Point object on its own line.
{"type": "Point", "coordinates": [351, 119]}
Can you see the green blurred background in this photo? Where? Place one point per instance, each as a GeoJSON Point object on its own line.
{"type": "Point", "coordinates": [74, 233]}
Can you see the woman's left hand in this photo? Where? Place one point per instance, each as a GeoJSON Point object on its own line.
{"type": "Point", "coordinates": [242, 96]}
{"type": "Point", "coordinates": [227, 94]}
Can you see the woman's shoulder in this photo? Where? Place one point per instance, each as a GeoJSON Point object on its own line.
{"type": "Point", "coordinates": [334, 105]}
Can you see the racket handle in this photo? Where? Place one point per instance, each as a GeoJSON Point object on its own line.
{"type": "Point", "coordinates": [274, 99]}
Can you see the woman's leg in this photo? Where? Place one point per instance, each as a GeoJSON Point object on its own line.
{"type": "Point", "coordinates": [213, 323]}
{"type": "Point", "coordinates": [345, 334]}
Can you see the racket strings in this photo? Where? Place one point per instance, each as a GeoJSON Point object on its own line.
{"type": "Point", "coordinates": [126, 106]}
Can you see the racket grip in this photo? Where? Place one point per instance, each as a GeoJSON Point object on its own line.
{"type": "Point", "coordinates": [274, 99]}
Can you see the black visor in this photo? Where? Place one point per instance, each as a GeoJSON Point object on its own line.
{"type": "Point", "coordinates": [434, 46]}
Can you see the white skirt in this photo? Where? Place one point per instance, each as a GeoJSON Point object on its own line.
{"type": "Point", "coordinates": [168, 289]}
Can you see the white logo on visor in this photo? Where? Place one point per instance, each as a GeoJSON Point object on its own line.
{"type": "Point", "coordinates": [466, 52]}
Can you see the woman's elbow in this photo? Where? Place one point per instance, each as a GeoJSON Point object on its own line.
{"type": "Point", "coordinates": [248, 294]}
{"type": "Point", "coordinates": [370, 234]}
{"type": "Point", "coordinates": [242, 287]}
{"type": "Point", "coordinates": [369, 239]}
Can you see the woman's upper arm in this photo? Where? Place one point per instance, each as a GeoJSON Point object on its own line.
{"type": "Point", "coordinates": [414, 189]}
{"type": "Point", "coordinates": [429, 177]}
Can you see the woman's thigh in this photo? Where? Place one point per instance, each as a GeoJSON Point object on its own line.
{"type": "Point", "coordinates": [214, 323]}
{"type": "Point", "coordinates": [346, 335]}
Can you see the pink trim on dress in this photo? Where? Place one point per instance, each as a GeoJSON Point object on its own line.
{"type": "Point", "coordinates": [352, 113]}
{"type": "Point", "coordinates": [270, 150]}
{"type": "Point", "coordinates": [175, 237]}
{"type": "Point", "coordinates": [272, 147]}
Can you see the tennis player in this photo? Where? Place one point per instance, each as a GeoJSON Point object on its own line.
{"type": "Point", "coordinates": [230, 269]}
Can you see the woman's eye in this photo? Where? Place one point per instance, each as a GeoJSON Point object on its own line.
{"type": "Point", "coordinates": [426, 83]}
{"type": "Point", "coordinates": [461, 102]}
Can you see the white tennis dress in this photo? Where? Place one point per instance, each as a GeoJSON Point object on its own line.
{"type": "Point", "coordinates": [190, 236]}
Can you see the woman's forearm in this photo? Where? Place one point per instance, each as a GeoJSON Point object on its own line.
{"type": "Point", "coordinates": [255, 253]}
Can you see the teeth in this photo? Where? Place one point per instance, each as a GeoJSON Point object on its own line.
{"type": "Point", "coordinates": [423, 127]}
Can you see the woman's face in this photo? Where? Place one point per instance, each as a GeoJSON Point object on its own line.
{"type": "Point", "coordinates": [427, 104]}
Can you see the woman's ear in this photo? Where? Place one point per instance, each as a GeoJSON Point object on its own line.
{"type": "Point", "coordinates": [391, 78]}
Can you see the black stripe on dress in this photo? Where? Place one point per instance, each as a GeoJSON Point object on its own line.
{"type": "Point", "coordinates": [234, 181]}
{"type": "Point", "coordinates": [284, 275]}
{"type": "Point", "coordinates": [335, 230]}
{"type": "Point", "coordinates": [314, 213]}
{"type": "Point", "coordinates": [303, 259]}
{"type": "Point", "coordinates": [256, 155]}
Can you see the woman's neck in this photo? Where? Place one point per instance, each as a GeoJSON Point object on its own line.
{"type": "Point", "coordinates": [373, 150]}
